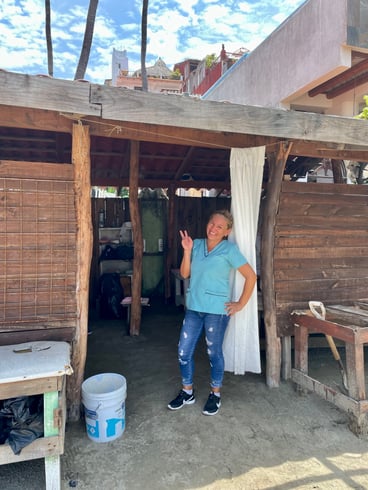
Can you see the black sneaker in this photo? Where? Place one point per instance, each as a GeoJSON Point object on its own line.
{"type": "Point", "coordinates": [181, 400]}
{"type": "Point", "coordinates": [212, 405]}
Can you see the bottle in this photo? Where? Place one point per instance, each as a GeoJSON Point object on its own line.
{"type": "Point", "coordinates": [101, 218]}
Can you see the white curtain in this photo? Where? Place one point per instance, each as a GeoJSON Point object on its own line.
{"type": "Point", "coordinates": [241, 343]}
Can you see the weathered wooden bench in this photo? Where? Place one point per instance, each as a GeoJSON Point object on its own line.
{"type": "Point", "coordinates": [348, 324]}
{"type": "Point", "coordinates": [35, 368]}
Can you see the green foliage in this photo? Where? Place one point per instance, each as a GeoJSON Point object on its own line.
{"type": "Point", "coordinates": [364, 113]}
{"type": "Point", "coordinates": [210, 60]}
{"type": "Point", "coordinates": [124, 192]}
{"type": "Point", "coordinates": [176, 74]}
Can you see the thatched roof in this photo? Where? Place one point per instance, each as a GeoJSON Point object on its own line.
{"type": "Point", "coordinates": [158, 70]}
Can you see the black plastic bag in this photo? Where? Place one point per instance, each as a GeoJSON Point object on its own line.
{"type": "Point", "coordinates": [119, 252]}
{"type": "Point", "coordinates": [111, 294]}
{"type": "Point", "coordinates": [21, 421]}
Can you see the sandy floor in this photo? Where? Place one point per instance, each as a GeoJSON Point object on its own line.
{"type": "Point", "coordinates": [261, 438]}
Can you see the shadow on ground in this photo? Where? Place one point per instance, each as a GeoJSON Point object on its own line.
{"type": "Point", "coordinates": [261, 439]}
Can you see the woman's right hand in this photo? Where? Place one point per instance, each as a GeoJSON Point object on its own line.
{"type": "Point", "coordinates": [186, 241]}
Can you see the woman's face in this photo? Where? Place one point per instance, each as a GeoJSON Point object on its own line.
{"type": "Point", "coordinates": [217, 228]}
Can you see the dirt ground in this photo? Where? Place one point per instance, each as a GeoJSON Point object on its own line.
{"type": "Point", "coordinates": [261, 439]}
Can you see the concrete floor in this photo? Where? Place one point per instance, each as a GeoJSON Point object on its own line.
{"type": "Point", "coordinates": [261, 438]}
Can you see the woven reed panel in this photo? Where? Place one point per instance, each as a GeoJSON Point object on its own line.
{"type": "Point", "coordinates": [37, 245]}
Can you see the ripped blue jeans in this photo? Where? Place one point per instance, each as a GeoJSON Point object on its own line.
{"type": "Point", "coordinates": [214, 327]}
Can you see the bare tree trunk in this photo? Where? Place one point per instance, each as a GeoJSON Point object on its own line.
{"type": "Point", "coordinates": [135, 317]}
{"type": "Point", "coordinates": [277, 164]}
{"type": "Point", "coordinates": [81, 150]}
{"type": "Point", "coordinates": [87, 41]}
{"type": "Point", "coordinates": [144, 46]}
{"type": "Point", "coordinates": [50, 60]}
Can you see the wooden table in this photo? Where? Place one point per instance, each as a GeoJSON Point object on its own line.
{"type": "Point", "coordinates": [35, 368]}
{"type": "Point", "coordinates": [349, 324]}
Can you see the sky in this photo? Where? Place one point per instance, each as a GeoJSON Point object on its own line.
{"type": "Point", "coordinates": [177, 30]}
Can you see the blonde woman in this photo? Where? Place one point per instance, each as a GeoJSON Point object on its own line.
{"type": "Point", "coordinates": [208, 262]}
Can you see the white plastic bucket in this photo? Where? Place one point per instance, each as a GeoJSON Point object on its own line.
{"type": "Point", "coordinates": [103, 398]}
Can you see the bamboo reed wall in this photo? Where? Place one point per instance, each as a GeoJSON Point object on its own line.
{"type": "Point", "coordinates": [37, 246]}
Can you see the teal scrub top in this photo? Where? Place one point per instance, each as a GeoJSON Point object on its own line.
{"type": "Point", "coordinates": [209, 287]}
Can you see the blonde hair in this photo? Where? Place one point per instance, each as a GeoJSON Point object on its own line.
{"type": "Point", "coordinates": [226, 214]}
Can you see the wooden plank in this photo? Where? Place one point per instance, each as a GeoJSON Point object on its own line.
{"type": "Point", "coordinates": [329, 263]}
{"type": "Point", "coordinates": [52, 463]}
{"type": "Point", "coordinates": [301, 348]}
{"type": "Point", "coordinates": [64, 334]}
{"type": "Point", "coordinates": [316, 198]}
{"type": "Point", "coordinates": [46, 93]}
{"type": "Point", "coordinates": [345, 403]}
{"type": "Point", "coordinates": [22, 117]}
{"type": "Point", "coordinates": [332, 295]}
{"type": "Point", "coordinates": [355, 370]}
{"type": "Point", "coordinates": [321, 284]}
{"type": "Point", "coordinates": [45, 446]}
{"type": "Point", "coordinates": [35, 170]}
{"type": "Point", "coordinates": [29, 118]}
{"type": "Point", "coordinates": [322, 150]}
{"type": "Point", "coordinates": [346, 333]}
{"type": "Point", "coordinates": [129, 105]}
{"type": "Point", "coordinates": [312, 222]}
{"type": "Point", "coordinates": [323, 241]}
{"type": "Point", "coordinates": [29, 387]}
{"type": "Point", "coordinates": [314, 272]}
{"type": "Point", "coordinates": [297, 232]}
{"type": "Point", "coordinates": [324, 189]}
{"type": "Point", "coordinates": [321, 252]}
{"type": "Point", "coordinates": [348, 315]}
{"type": "Point", "coordinates": [342, 211]}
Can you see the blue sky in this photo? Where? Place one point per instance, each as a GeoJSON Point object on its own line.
{"type": "Point", "coordinates": [177, 30]}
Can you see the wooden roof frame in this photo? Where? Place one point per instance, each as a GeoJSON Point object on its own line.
{"type": "Point", "coordinates": [51, 104]}
{"type": "Point", "coordinates": [351, 78]}
{"type": "Point", "coordinates": [43, 103]}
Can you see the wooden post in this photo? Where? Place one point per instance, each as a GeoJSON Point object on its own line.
{"type": "Point", "coordinates": [273, 347]}
{"type": "Point", "coordinates": [337, 171]}
{"type": "Point", "coordinates": [135, 317]}
{"type": "Point", "coordinates": [170, 241]}
{"type": "Point", "coordinates": [84, 240]}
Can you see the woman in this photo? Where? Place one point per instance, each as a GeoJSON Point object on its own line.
{"type": "Point", "coordinates": [209, 262]}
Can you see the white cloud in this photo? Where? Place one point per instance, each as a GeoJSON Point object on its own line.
{"type": "Point", "coordinates": [177, 29]}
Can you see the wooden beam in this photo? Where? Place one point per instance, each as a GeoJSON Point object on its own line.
{"type": "Point", "coordinates": [322, 150]}
{"type": "Point", "coordinates": [186, 112]}
{"type": "Point", "coordinates": [38, 119]}
{"type": "Point", "coordinates": [344, 77]}
{"type": "Point", "coordinates": [84, 239]}
{"type": "Point", "coordinates": [135, 317]}
{"type": "Point", "coordinates": [273, 345]}
{"type": "Point", "coordinates": [111, 103]}
{"type": "Point", "coordinates": [165, 183]}
{"type": "Point", "coordinates": [47, 93]}
{"type": "Point", "coordinates": [348, 85]}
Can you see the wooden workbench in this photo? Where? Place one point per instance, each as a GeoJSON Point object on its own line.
{"type": "Point", "coordinates": [35, 368]}
{"type": "Point", "coordinates": [349, 324]}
